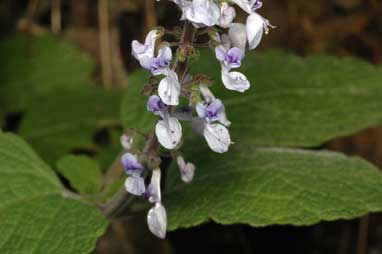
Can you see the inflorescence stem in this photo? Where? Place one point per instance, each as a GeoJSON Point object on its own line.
{"type": "Point", "coordinates": [121, 201]}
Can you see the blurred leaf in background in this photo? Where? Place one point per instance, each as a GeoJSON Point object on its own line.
{"type": "Point", "coordinates": [39, 65]}
{"type": "Point", "coordinates": [83, 173]}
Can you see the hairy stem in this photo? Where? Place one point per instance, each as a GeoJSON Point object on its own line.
{"type": "Point", "coordinates": [119, 204]}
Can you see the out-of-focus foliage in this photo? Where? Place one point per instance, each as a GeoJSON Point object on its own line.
{"type": "Point", "coordinates": [83, 173]}
{"type": "Point", "coordinates": [35, 215]}
{"type": "Point", "coordinates": [69, 120]}
{"type": "Point", "coordinates": [38, 66]}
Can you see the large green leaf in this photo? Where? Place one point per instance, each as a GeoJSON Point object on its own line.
{"type": "Point", "coordinates": [34, 215]}
{"type": "Point", "coordinates": [83, 173]}
{"type": "Point", "coordinates": [293, 101]}
{"type": "Point", "coordinates": [68, 119]}
{"type": "Point", "coordinates": [36, 66]}
{"type": "Point", "coordinates": [266, 186]}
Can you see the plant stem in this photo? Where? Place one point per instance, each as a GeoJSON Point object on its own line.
{"type": "Point", "coordinates": [119, 204]}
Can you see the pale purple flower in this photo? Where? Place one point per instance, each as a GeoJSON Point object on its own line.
{"type": "Point", "coordinates": [187, 170]}
{"type": "Point", "coordinates": [146, 49]}
{"type": "Point", "coordinates": [227, 15]}
{"type": "Point", "coordinates": [168, 130]}
{"type": "Point", "coordinates": [229, 58]}
{"type": "Point", "coordinates": [156, 105]}
{"type": "Point", "coordinates": [201, 12]}
{"type": "Point", "coordinates": [248, 6]}
{"type": "Point", "coordinates": [126, 142]}
{"type": "Point", "coordinates": [131, 165]}
{"type": "Point", "coordinates": [160, 64]}
{"type": "Point", "coordinates": [210, 111]}
{"type": "Point", "coordinates": [216, 134]}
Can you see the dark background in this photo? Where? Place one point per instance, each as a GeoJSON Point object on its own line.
{"type": "Point", "coordinates": [104, 29]}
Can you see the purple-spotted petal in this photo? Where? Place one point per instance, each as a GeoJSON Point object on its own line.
{"type": "Point", "coordinates": [217, 137]}
{"type": "Point", "coordinates": [168, 132]}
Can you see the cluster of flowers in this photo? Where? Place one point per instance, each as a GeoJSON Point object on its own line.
{"type": "Point", "coordinates": [211, 119]}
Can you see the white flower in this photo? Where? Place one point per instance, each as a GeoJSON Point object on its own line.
{"type": "Point", "coordinates": [157, 220]}
{"type": "Point", "coordinates": [160, 64]}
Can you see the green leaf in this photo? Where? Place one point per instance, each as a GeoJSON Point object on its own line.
{"type": "Point", "coordinates": [36, 66]}
{"type": "Point", "coordinates": [293, 101]}
{"type": "Point", "coordinates": [133, 111]}
{"type": "Point", "coordinates": [34, 216]}
{"type": "Point", "coordinates": [83, 173]}
{"type": "Point", "coordinates": [68, 119]}
{"type": "Point", "coordinates": [267, 186]}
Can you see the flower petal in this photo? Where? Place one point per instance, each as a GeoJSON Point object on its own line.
{"type": "Point", "coordinates": [187, 170]}
{"type": "Point", "coordinates": [168, 132]}
{"type": "Point", "coordinates": [147, 49]}
{"type": "Point", "coordinates": [135, 185]}
{"type": "Point", "coordinates": [157, 220]}
{"type": "Point", "coordinates": [238, 35]}
{"type": "Point", "coordinates": [255, 29]}
{"type": "Point", "coordinates": [126, 142]}
{"type": "Point", "coordinates": [169, 89]}
{"type": "Point", "coordinates": [227, 15]}
{"type": "Point", "coordinates": [217, 137]}
{"type": "Point", "coordinates": [156, 105]}
{"type": "Point", "coordinates": [154, 187]}
{"type": "Point", "coordinates": [131, 164]}
{"type": "Point", "coordinates": [235, 81]}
